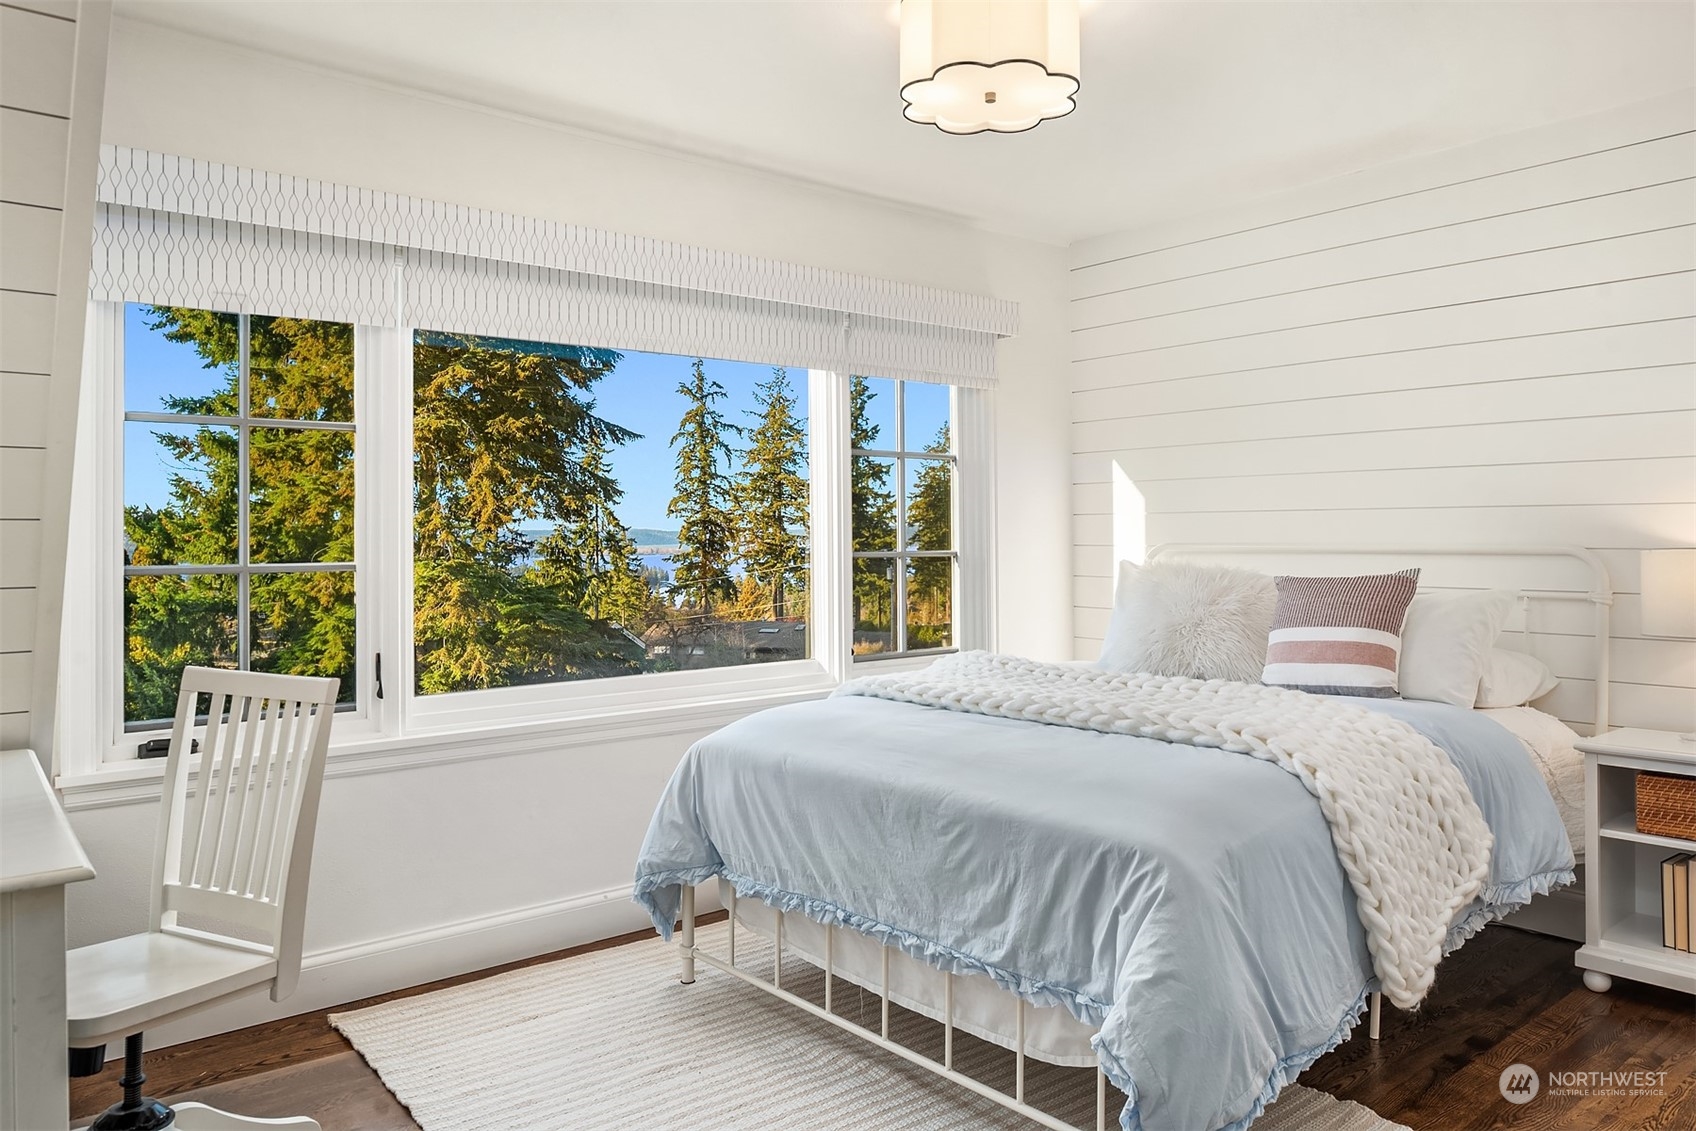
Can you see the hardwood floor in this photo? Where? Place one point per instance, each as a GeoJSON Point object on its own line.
{"type": "Point", "coordinates": [1513, 997]}
{"type": "Point", "coordinates": [1508, 997]}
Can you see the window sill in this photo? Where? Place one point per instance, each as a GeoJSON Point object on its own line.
{"type": "Point", "coordinates": [134, 781]}
{"type": "Point", "coordinates": [882, 664]}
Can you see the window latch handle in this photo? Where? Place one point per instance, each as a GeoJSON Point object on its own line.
{"type": "Point", "coordinates": [379, 674]}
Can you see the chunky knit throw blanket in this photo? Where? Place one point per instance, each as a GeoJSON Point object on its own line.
{"type": "Point", "coordinates": [1407, 831]}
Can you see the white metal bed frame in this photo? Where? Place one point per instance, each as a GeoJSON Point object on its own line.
{"type": "Point", "coordinates": [1599, 595]}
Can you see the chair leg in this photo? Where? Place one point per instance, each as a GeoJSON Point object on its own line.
{"type": "Point", "coordinates": [136, 1112]}
{"type": "Point", "coordinates": [85, 1061]}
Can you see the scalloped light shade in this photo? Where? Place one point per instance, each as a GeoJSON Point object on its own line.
{"type": "Point", "coordinates": [1005, 66]}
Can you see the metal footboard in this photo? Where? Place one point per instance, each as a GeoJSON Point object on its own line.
{"type": "Point", "coordinates": [689, 954]}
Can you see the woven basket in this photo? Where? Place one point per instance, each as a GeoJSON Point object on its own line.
{"type": "Point", "coordinates": [1666, 805]}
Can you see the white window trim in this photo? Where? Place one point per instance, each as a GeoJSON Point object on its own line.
{"type": "Point", "coordinates": [899, 455]}
{"type": "Point", "coordinates": [401, 729]}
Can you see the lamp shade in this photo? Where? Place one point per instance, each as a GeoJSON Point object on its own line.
{"type": "Point", "coordinates": [1669, 592]}
{"type": "Point", "coordinates": [968, 66]}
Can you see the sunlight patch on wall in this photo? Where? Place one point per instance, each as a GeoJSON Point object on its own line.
{"type": "Point", "coordinates": [1130, 518]}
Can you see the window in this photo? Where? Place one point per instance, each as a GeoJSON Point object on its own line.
{"type": "Point", "coordinates": [581, 513]}
{"type": "Point", "coordinates": [484, 468]}
{"type": "Point", "coordinates": [902, 484]}
{"type": "Point", "coordinates": [531, 532]}
{"type": "Point", "coordinates": [238, 500]}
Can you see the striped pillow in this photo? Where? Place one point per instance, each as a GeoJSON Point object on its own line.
{"type": "Point", "coordinates": [1339, 635]}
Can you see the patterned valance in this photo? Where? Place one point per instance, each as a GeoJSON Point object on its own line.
{"type": "Point", "coordinates": [188, 232]}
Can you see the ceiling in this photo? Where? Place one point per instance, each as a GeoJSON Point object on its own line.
{"type": "Point", "coordinates": [1184, 106]}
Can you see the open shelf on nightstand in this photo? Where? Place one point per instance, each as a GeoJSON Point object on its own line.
{"type": "Point", "coordinates": [1625, 828]}
{"type": "Point", "coordinates": [1642, 931]}
{"type": "Point", "coordinates": [1623, 932]}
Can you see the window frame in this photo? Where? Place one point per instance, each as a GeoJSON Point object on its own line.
{"type": "Point", "coordinates": [244, 568]}
{"type": "Point", "coordinates": [398, 726]}
{"type": "Point", "coordinates": [902, 554]}
{"type": "Point", "coordinates": [95, 732]}
{"type": "Point", "coordinates": [569, 700]}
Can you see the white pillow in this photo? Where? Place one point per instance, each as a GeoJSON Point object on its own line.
{"type": "Point", "coordinates": [1184, 619]}
{"type": "Point", "coordinates": [1446, 644]}
{"type": "Point", "coordinates": [1514, 678]}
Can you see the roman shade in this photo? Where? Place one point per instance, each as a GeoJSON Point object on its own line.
{"type": "Point", "coordinates": [180, 231]}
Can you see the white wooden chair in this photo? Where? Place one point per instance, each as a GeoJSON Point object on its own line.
{"type": "Point", "coordinates": [232, 855]}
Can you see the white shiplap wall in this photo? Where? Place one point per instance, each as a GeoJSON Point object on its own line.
{"type": "Point", "coordinates": [52, 79]}
{"type": "Point", "coordinates": [1496, 344]}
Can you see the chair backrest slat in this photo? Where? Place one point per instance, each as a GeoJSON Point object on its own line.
{"type": "Point", "coordinates": [306, 727]}
{"type": "Point", "coordinates": [265, 811]}
{"type": "Point", "coordinates": [237, 845]}
{"type": "Point", "coordinates": [230, 846]}
{"type": "Point", "coordinates": [215, 759]}
{"type": "Point", "coordinates": [167, 860]}
{"type": "Point", "coordinates": [190, 826]}
{"type": "Point", "coordinates": [276, 844]}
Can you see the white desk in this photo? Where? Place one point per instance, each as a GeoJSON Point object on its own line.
{"type": "Point", "coordinates": [39, 855]}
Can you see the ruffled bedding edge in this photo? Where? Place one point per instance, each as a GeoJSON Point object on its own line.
{"type": "Point", "coordinates": [1495, 902]}
{"type": "Point", "coordinates": [1075, 1002]}
{"type": "Point", "coordinates": [1499, 900]}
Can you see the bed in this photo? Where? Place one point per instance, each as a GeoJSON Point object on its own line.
{"type": "Point", "coordinates": [1174, 914]}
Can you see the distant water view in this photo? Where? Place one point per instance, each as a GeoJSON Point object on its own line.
{"type": "Point", "coordinates": [653, 547]}
{"type": "Point", "coordinates": [656, 561]}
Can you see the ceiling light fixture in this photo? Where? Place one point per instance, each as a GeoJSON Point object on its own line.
{"type": "Point", "coordinates": [970, 66]}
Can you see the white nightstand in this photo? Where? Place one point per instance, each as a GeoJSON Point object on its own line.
{"type": "Point", "coordinates": [1622, 867]}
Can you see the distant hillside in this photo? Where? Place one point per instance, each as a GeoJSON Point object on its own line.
{"type": "Point", "coordinates": [647, 538]}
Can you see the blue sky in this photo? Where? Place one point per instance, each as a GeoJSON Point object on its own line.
{"type": "Point", "coordinates": [640, 394]}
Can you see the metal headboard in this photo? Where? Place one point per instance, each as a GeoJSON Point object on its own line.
{"type": "Point", "coordinates": [1600, 593]}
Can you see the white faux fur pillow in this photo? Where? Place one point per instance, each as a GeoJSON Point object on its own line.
{"type": "Point", "coordinates": [1184, 619]}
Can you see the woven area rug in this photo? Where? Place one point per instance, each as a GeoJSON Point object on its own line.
{"type": "Point", "coordinates": [610, 1040]}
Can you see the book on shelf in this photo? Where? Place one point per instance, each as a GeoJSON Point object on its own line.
{"type": "Point", "coordinates": [1678, 901]}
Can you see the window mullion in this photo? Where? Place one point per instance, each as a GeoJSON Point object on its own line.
{"type": "Point", "coordinates": [382, 518]}
{"type": "Point", "coordinates": [831, 531]}
{"type": "Point", "coordinates": [898, 585]}
{"type": "Point", "coordinates": [974, 518]}
{"type": "Point", "coordinates": [393, 393]}
{"type": "Point", "coordinates": [244, 442]}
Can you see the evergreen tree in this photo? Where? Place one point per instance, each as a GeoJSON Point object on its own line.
{"type": "Point", "coordinates": [930, 504]}
{"type": "Point", "coordinates": [872, 501]}
{"type": "Point", "coordinates": [706, 535]}
{"type": "Point", "coordinates": [771, 495]}
{"type": "Point", "coordinates": [930, 526]}
{"type": "Point", "coordinates": [498, 431]}
{"type": "Point", "coordinates": [480, 625]}
{"type": "Point", "coordinates": [872, 515]}
{"type": "Point", "coordinates": [301, 504]}
{"type": "Point", "coordinates": [502, 429]}
{"type": "Point", "coordinates": [504, 432]}
{"type": "Point", "coordinates": [593, 557]}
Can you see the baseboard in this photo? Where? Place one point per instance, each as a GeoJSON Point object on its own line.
{"type": "Point", "coordinates": [344, 974]}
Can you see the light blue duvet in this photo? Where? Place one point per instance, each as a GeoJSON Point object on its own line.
{"type": "Point", "coordinates": [1186, 900]}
